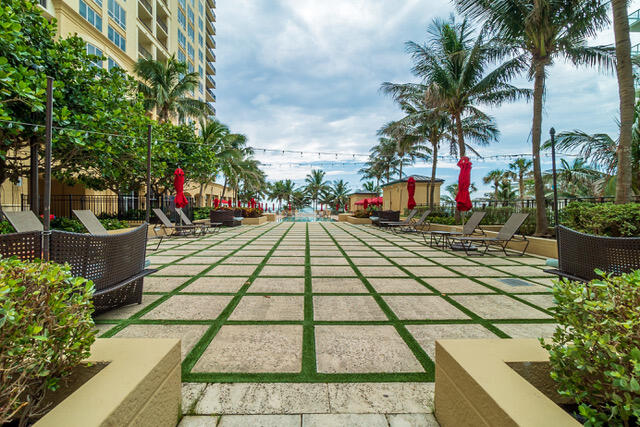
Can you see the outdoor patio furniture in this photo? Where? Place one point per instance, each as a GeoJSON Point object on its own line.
{"type": "Point", "coordinates": [440, 238]}
{"type": "Point", "coordinates": [396, 223]}
{"type": "Point", "coordinates": [115, 262]}
{"type": "Point", "coordinates": [206, 225]}
{"type": "Point", "coordinates": [412, 227]}
{"type": "Point", "coordinates": [579, 254]}
{"type": "Point", "coordinates": [506, 235]}
{"type": "Point", "coordinates": [90, 222]}
{"type": "Point", "coordinates": [227, 217]}
{"type": "Point", "coordinates": [392, 216]}
{"type": "Point", "coordinates": [171, 230]}
{"type": "Point", "coordinates": [24, 221]}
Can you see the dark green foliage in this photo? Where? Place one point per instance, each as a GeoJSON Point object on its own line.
{"type": "Point", "coordinates": [362, 214]}
{"type": "Point", "coordinates": [603, 219]}
{"type": "Point", "coordinates": [72, 225]}
{"type": "Point", "coordinates": [201, 213]}
{"type": "Point", "coordinates": [45, 331]}
{"type": "Point", "coordinates": [595, 352]}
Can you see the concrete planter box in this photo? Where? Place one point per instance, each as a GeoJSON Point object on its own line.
{"type": "Point", "coordinates": [343, 216]}
{"type": "Point", "coordinates": [271, 217]}
{"type": "Point", "coordinates": [354, 220]}
{"type": "Point", "coordinates": [139, 387]}
{"type": "Point", "coordinates": [496, 383]}
{"type": "Point", "coordinates": [254, 221]}
{"type": "Point", "coordinates": [537, 245]}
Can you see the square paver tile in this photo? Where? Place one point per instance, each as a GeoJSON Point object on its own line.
{"type": "Point", "coordinates": [199, 260]}
{"type": "Point", "coordinates": [341, 285]}
{"type": "Point", "coordinates": [357, 307]}
{"type": "Point", "coordinates": [286, 260]}
{"type": "Point", "coordinates": [190, 307]}
{"type": "Point", "coordinates": [278, 284]}
{"type": "Point", "coordinates": [253, 348]}
{"type": "Point", "coordinates": [381, 398]}
{"type": "Point", "coordinates": [543, 301]}
{"type": "Point", "coordinates": [283, 270]}
{"type": "Point", "coordinates": [368, 271]}
{"type": "Point", "coordinates": [189, 335]}
{"type": "Point", "coordinates": [375, 261]}
{"type": "Point", "coordinates": [216, 284]}
{"type": "Point", "coordinates": [181, 270]}
{"type": "Point", "coordinates": [260, 420]}
{"type": "Point", "coordinates": [163, 259]}
{"type": "Point", "coordinates": [232, 270]}
{"type": "Point", "coordinates": [269, 308]}
{"type": "Point", "coordinates": [332, 271]}
{"type": "Point", "coordinates": [351, 420]}
{"type": "Point", "coordinates": [248, 260]}
{"type": "Point", "coordinates": [329, 261]}
{"type": "Point", "coordinates": [499, 307]}
{"type": "Point", "coordinates": [457, 285]}
{"type": "Point", "coordinates": [528, 330]}
{"type": "Point", "coordinates": [514, 285]}
{"type": "Point", "coordinates": [363, 349]}
{"type": "Point", "coordinates": [478, 271]}
{"type": "Point", "coordinates": [191, 392]}
{"type": "Point", "coordinates": [413, 420]}
{"type": "Point", "coordinates": [199, 421]}
{"type": "Point", "coordinates": [426, 335]}
{"type": "Point", "coordinates": [422, 307]}
{"type": "Point", "coordinates": [454, 261]}
{"type": "Point", "coordinates": [129, 310]}
{"type": "Point", "coordinates": [399, 286]}
{"type": "Point", "coordinates": [162, 284]}
{"type": "Point", "coordinates": [431, 272]}
{"type": "Point", "coordinates": [524, 271]}
{"type": "Point", "coordinates": [412, 262]}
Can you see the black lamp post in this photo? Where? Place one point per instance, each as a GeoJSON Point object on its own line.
{"type": "Point", "coordinates": [552, 132]}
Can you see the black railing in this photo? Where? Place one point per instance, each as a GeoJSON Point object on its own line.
{"type": "Point", "coordinates": [121, 207]}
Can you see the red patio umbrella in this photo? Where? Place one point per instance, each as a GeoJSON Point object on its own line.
{"type": "Point", "coordinates": [178, 183]}
{"type": "Point", "coordinates": [253, 203]}
{"type": "Point", "coordinates": [216, 203]}
{"type": "Point", "coordinates": [411, 189]}
{"type": "Point", "coordinates": [365, 204]}
{"type": "Point", "coordinates": [338, 207]}
{"type": "Point", "coordinates": [463, 199]}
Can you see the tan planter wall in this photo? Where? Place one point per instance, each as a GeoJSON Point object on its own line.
{"type": "Point", "coordinates": [354, 220]}
{"type": "Point", "coordinates": [343, 217]}
{"type": "Point", "coordinates": [475, 386]}
{"type": "Point", "coordinates": [141, 386]}
{"type": "Point", "coordinates": [537, 246]}
{"type": "Point", "coordinates": [271, 217]}
{"type": "Point", "coordinates": [254, 221]}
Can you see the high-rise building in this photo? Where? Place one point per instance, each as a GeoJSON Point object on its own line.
{"type": "Point", "coordinates": [124, 30]}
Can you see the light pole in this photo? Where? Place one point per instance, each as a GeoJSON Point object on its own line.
{"type": "Point", "coordinates": [552, 132]}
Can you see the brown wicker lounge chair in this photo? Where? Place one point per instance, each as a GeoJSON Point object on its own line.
{"type": "Point", "coordinates": [388, 216]}
{"type": "Point", "coordinates": [171, 230]}
{"type": "Point", "coordinates": [392, 223]}
{"type": "Point", "coordinates": [441, 237]}
{"type": "Point", "coordinates": [206, 225]}
{"type": "Point", "coordinates": [91, 222]}
{"type": "Point", "coordinates": [579, 254]}
{"type": "Point", "coordinates": [24, 221]}
{"type": "Point", "coordinates": [506, 235]}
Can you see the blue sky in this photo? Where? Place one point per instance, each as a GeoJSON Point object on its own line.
{"type": "Point", "coordinates": [305, 75]}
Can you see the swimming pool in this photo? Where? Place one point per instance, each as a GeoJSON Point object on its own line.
{"type": "Point", "coordinates": [306, 219]}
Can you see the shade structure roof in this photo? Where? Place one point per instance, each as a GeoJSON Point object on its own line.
{"type": "Point", "coordinates": [371, 201]}
{"type": "Point", "coordinates": [418, 178]}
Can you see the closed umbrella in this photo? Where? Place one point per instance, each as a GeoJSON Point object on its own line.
{"type": "Point", "coordinates": [463, 199]}
{"type": "Point", "coordinates": [178, 184]}
{"type": "Point", "coordinates": [365, 204]}
{"type": "Point", "coordinates": [216, 203]}
{"type": "Point", "coordinates": [411, 189]}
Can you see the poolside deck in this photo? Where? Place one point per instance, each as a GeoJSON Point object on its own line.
{"type": "Point", "coordinates": [348, 313]}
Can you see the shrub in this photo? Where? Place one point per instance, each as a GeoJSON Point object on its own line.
{"type": "Point", "coordinates": [595, 351]}
{"type": "Point", "coordinates": [604, 219]}
{"type": "Point", "coordinates": [362, 214]}
{"type": "Point", "coordinates": [251, 213]}
{"type": "Point", "coordinates": [201, 213]}
{"type": "Point", "coordinates": [45, 331]}
{"type": "Point", "coordinates": [6, 228]}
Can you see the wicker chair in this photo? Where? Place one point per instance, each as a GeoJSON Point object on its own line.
{"type": "Point", "coordinates": [579, 254]}
{"type": "Point", "coordinates": [383, 216]}
{"type": "Point", "coordinates": [114, 262]}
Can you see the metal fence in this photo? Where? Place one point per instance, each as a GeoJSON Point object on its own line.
{"type": "Point", "coordinates": [120, 207]}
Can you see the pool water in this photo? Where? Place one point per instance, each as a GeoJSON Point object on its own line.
{"type": "Point", "coordinates": [306, 219]}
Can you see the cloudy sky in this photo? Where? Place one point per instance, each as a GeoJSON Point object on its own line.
{"type": "Point", "coordinates": [305, 75]}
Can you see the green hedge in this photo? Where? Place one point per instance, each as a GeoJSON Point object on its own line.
{"type": "Point", "coordinates": [603, 219]}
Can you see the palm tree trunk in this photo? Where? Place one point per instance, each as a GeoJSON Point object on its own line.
{"type": "Point", "coordinates": [536, 134]}
{"type": "Point", "coordinates": [401, 161]}
{"type": "Point", "coordinates": [521, 188]}
{"type": "Point", "coordinates": [434, 164]}
{"type": "Point", "coordinates": [224, 189]}
{"type": "Point", "coordinates": [200, 203]}
{"type": "Point", "coordinates": [626, 93]}
{"type": "Point", "coordinates": [461, 146]}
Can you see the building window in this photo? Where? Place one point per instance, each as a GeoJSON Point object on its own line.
{"type": "Point", "coordinates": [191, 51]}
{"type": "Point", "coordinates": [182, 3]}
{"type": "Point", "coordinates": [200, 8]}
{"type": "Point", "coordinates": [200, 40]}
{"type": "Point", "coordinates": [181, 19]}
{"type": "Point", "coordinates": [181, 57]}
{"type": "Point", "coordinates": [200, 87]}
{"type": "Point", "coordinates": [190, 67]}
{"type": "Point", "coordinates": [192, 34]}
{"type": "Point", "coordinates": [118, 14]}
{"type": "Point", "coordinates": [111, 64]}
{"type": "Point", "coordinates": [117, 39]}
{"type": "Point", "coordinates": [200, 56]}
{"type": "Point", "coordinates": [90, 15]}
{"type": "Point", "coordinates": [181, 39]}
{"type": "Point", "coordinates": [190, 15]}
{"type": "Point", "coordinates": [92, 50]}
{"type": "Point", "coordinates": [201, 24]}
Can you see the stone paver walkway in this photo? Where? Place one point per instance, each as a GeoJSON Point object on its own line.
{"type": "Point", "coordinates": [327, 305]}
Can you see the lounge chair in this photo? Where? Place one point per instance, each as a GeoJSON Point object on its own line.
{"type": "Point", "coordinates": [171, 230]}
{"type": "Point", "coordinates": [91, 222]}
{"type": "Point", "coordinates": [412, 227]}
{"type": "Point", "coordinates": [506, 235]}
{"type": "Point", "coordinates": [406, 221]}
{"type": "Point", "coordinates": [206, 225]}
{"type": "Point", "coordinates": [441, 237]}
{"type": "Point", "coordinates": [24, 221]}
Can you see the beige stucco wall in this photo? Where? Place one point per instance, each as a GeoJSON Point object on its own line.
{"type": "Point", "coordinates": [395, 196]}
{"type": "Point", "coordinates": [354, 198]}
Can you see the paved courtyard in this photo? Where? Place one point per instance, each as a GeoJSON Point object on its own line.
{"type": "Point", "coordinates": [345, 310]}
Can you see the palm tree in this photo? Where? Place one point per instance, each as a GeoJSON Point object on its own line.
{"type": "Point", "coordinates": [230, 153]}
{"type": "Point", "coordinates": [577, 179]}
{"type": "Point", "coordinates": [494, 177]}
{"type": "Point", "coordinates": [277, 192]}
{"type": "Point", "coordinates": [383, 161]}
{"type": "Point", "coordinates": [453, 64]}
{"type": "Point", "coordinates": [536, 32]}
{"type": "Point", "coordinates": [518, 169]}
{"type": "Point", "coordinates": [452, 190]}
{"type": "Point", "coordinates": [315, 185]}
{"type": "Point", "coordinates": [168, 88]}
{"type": "Point", "coordinates": [409, 145]}
{"type": "Point", "coordinates": [505, 193]}
{"type": "Point", "coordinates": [371, 187]}
{"type": "Point", "coordinates": [338, 193]}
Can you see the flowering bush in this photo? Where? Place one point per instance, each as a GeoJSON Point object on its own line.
{"type": "Point", "coordinates": [251, 212]}
{"type": "Point", "coordinates": [595, 353]}
{"type": "Point", "coordinates": [45, 331]}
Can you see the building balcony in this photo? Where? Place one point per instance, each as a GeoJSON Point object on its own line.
{"type": "Point", "coordinates": [211, 95]}
{"type": "Point", "coordinates": [163, 26]}
{"type": "Point", "coordinates": [211, 42]}
{"type": "Point", "coordinates": [211, 83]}
{"type": "Point", "coordinates": [211, 54]}
{"type": "Point", "coordinates": [211, 3]}
{"type": "Point", "coordinates": [212, 107]}
{"type": "Point", "coordinates": [634, 21]}
{"type": "Point", "coordinates": [211, 67]}
{"type": "Point", "coordinates": [212, 13]}
{"type": "Point", "coordinates": [147, 6]}
{"type": "Point", "coordinates": [211, 28]}
{"type": "Point", "coordinates": [144, 52]}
